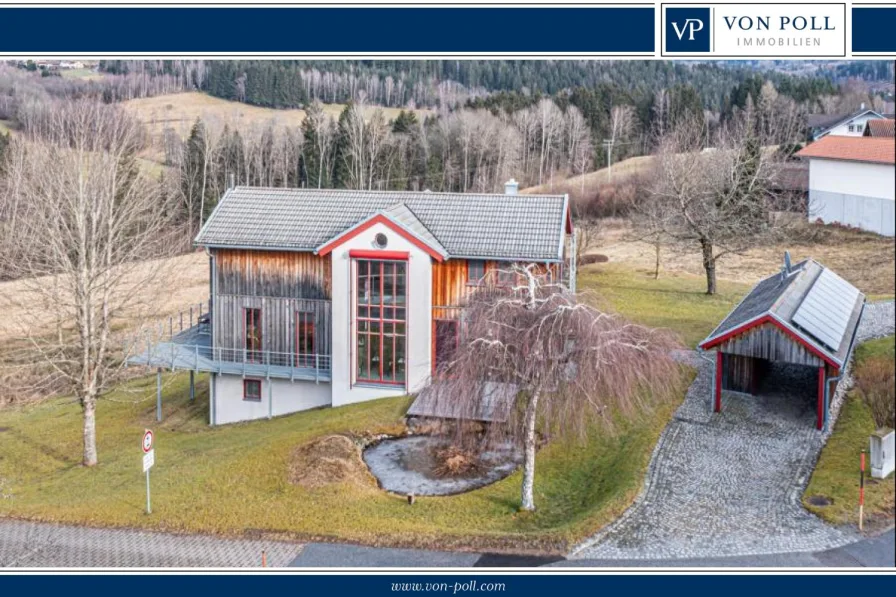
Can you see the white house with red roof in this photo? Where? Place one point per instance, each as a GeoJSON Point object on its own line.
{"type": "Point", "coordinates": [852, 182]}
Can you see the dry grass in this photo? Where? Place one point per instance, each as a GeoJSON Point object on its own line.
{"type": "Point", "coordinates": [327, 460]}
{"type": "Point", "coordinates": [592, 180]}
{"type": "Point", "coordinates": [5, 127]}
{"type": "Point", "coordinates": [864, 259]}
{"type": "Point", "coordinates": [185, 282]}
{"type": "Point", "coordinates": [179, 111]}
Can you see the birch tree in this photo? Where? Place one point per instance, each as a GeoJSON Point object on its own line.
{"type": "Point", "coordinates": [569, 368]}
{"type": "Point", "coordinates": [88, 219]}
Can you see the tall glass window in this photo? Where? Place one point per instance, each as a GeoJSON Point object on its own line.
{"type": "Point", "coordinates": [381, 321]}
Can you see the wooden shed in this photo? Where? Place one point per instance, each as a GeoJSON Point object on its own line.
{"type": "Point", "coordinates": [805, 315]}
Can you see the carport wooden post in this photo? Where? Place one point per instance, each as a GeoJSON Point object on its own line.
{"type": "Point", "coordinates": [717, 407]}
{"type": "Point", "coordinates": [821, 405]}
{"type": "Point", "coordinates": [192, 386]}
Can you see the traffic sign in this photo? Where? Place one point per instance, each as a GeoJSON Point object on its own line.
{"type": "Point", "coordinates": [147, 441]}
{"type": "Point", "coordinates": [149, 459]}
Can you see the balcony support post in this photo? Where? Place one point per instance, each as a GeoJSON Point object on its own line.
{"type": "Point", "coordinates": [159, 394]}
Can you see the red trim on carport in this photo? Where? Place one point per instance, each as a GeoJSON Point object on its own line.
{"type": "Point", "coordinates": [769, 319]}
{"type": "Point", "coordinates": [718, 388]}
{"type": "Point", "coordinates": [380, 219]}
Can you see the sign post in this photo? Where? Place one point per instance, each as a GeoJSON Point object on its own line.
{"type": "Point", "coordinates": [149, 459]}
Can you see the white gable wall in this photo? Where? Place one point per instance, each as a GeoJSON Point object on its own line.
{"type": "Point", "coordinates": [857, 124]}
{"type": "Point", "coordinates": [419, 324]}
{"type": "Point", "coordinates": [856, 194]}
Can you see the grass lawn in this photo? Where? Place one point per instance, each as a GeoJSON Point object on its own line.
{"type": "Point", "coordinates": [676, 301]}
{"type": "Point", "coordinates": [837, 475]}
{"type": "Point", "coordinates": [232, 480]}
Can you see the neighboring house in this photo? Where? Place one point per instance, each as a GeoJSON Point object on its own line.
{"type": "Point", "coordinates": [331, 297]}
{"type": "Point", "coordinates": [805, 317]}
{"type": "Point", "coordinates": [840, 125]}
{"type": "Point", "coordinates": [880, 127]}
{"type": "Point", "coordinates": [851, 182]}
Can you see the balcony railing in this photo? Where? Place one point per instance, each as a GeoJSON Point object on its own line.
{"type": "Point", "coordinates": [202, 357]}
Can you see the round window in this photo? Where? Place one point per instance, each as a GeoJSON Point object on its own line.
{"type": "Point", "coordinates": [381, 240]}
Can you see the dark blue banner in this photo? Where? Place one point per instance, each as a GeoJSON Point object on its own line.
{"type": "Point", "coordinates": [239, 30]}
{"type": "Point", "coordinates": [873, 29]}
{"type": "Point", "coordinates": [440, 584]}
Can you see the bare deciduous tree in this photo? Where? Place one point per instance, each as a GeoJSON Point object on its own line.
{"type": "Point", "coordinates": [88, 218]}
{"type": "Point", "coordinates": [569, 366]}
{"type": "Point", "coordinates": [717, 193]}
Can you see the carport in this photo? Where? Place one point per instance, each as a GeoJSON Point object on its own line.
{"type": "Point", "coordinates": [805, 315]}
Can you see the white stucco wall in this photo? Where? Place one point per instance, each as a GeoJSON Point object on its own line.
{"type": "Point", "coordinates": [855, 194]}
{"type": "Point", "coordinates": [852, 178]}
{"type": "Point", "coordinates": [419, 315]}
{"type": "Point", "coordinates": [278, 397]}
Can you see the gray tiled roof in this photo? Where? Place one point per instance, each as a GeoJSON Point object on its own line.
{"type": "Point", "coordinates": [783, 297]}
{"type": "Point", "coordinates": [467, 225]}
{"type": "Point", "coordinates": [404, 216]}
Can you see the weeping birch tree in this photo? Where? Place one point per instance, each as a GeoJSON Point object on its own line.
{"type": "Point", "coordinates": [567, 367]}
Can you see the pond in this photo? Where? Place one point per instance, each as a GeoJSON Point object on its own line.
{"type": "Point", "coordinates": [406, 465]}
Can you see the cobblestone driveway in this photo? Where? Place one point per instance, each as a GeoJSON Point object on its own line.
{"type": "Point", "coordinates": [730, 483]}
{"type": "Point", "coordinates": [34, 544]}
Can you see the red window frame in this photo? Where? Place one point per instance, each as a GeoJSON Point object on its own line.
{"type": "Point", "coordinates": [253, 340]}
{"type": "Point", "coordinates": [373, 319]}
{"type": "Point", "coordinates": [254, 397]}
{"type": "Point", "coordinates": [305, 339]}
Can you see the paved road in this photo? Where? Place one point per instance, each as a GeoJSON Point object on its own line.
{"type": "Point", "coordinates": [29, 544]}
{"type": "Point", "coordinates": [32, 544]}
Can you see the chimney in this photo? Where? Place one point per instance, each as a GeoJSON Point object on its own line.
{"type": "Point", "coordinates": [786, 269]}
{"type": "Point", "coordinates": [511, 187]}
{"type": "Point", "coordinates": [863, 106]}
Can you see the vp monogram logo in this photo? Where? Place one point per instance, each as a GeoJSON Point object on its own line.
{"type": "Point", "coordinates": [691, 26]}
{"type": "Point", "coordinates": [687, 29]}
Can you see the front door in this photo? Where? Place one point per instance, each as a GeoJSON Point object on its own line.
{"type": "Point", "coordinates": [445, 340]}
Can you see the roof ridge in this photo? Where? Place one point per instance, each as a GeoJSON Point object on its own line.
{"type": "Point", "coordinates": [397, 192]}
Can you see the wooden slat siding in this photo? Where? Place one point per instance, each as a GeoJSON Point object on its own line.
{"type": "Point", "coordinates": [738, 373]}
{"type": "Point", "coordinates": [283, 274]}
{"type": "Point", "coordinates": [449, 280]}
{"type": "Point", "coordinates": [278, 322]}
{"type": "Point", "coordinates": [768, 342]}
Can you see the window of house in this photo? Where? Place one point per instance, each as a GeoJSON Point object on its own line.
{"type": "Point", "coordinates": [506, 275]}
{"type": "Point", "coordinates": [850, 128]}
{"type": "Point", "coordinates": [305, 347]}
{"type": "Point", "coordinates": [381, 321]}
{"type": "Point", "coordinates": [475, 271]}
{"type": "Point", "coordinates": [252, 331]}
{"type": "Point", "coordinates": [252, 390]}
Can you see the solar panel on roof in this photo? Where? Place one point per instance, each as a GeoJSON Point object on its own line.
{"type": "Point", "coordinates": [826, 310]}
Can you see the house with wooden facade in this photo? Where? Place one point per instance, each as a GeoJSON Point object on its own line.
{"type": "Point", "coordinates": [805, 317]}
{"type": "Point", "coordinates": [332, 297]}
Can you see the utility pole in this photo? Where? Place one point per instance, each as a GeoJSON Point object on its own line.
{"type": "Point", "coordinates": [608, 145]}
